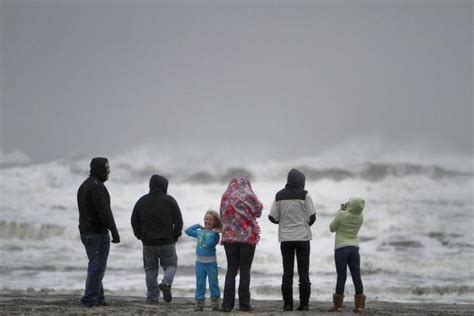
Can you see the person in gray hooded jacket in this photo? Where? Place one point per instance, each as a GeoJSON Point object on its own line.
{"type": "Point", "coordinates": [294, 212]}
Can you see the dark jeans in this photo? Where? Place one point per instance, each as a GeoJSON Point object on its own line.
{"type": "Point", "coordinates": [348, 256]}
{"type": "Point", "coordinates": [97, 248]}
{"type": "Point", "coordinates": [239, 258]}
{"type": "Point", "coordinates": [302, 250]}
{"type": "Point", "coordinates": [167, 258]}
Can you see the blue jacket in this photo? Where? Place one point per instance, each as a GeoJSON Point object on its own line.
{"type": "Point", "coordinates": [206, 240]}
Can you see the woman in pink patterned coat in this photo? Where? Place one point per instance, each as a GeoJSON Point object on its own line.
{"type": "Point", "coordinates": [239, 210]}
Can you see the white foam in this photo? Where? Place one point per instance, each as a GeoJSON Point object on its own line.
{"type": "Point", "coordinates": [416, 240]}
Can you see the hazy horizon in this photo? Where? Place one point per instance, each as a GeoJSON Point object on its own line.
{"type": "Point", "coordinates": [81, 78]}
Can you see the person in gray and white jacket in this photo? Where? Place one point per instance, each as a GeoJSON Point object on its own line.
{"type": "Point", "coordinates": [294, 212]}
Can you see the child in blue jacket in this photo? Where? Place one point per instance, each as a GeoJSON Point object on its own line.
{"type": "Point", "coordinates": [206, 263]}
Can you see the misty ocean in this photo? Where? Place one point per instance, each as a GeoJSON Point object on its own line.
{"type": "Point", "coordinates": [416, 244]}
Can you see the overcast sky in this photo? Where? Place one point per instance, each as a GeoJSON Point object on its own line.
{"type": "Point", "coordinates": [79, 77]}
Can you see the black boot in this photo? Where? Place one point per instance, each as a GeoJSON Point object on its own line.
{"type": "Point", "coordinates": [287, 293]}
{"type": "Point", "coordinates": [305, 293]}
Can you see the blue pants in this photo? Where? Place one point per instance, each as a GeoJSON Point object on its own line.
{"type": "Point", "coordinates": [97, 249]}
{"type": "Point", "coordinates": [348, 256]}
{"type": "Point", "coordinates": [166, 256]}
{"type": "Point", "coordinates": [208, 270]}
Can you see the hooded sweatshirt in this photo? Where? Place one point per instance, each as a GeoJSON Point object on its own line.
{"type": "Point", "coordinates": [239, 211]}
{"type": "Point", "coordinates": [93, 200]}
{"type": "Point", "coordinates": [156, 218]}
{"type": "Point", "coordinates": [347, 223]}
{"type": "Point", "coordinates": [293, 210]}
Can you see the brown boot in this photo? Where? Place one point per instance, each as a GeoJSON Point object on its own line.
{"type": "Point", "coordinates": [337, 300]}
{"type": "Point", "coordinates": [359, 303]}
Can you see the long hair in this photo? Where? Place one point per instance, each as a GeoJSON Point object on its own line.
{"type": "Point", "coordinates": [217, 218]}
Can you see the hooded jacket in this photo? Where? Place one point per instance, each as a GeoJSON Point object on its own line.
{"type": "Point", "coordinates": [239, 211]}
{"type": "Point", "coordinates": [293, 210]}
{"type": "Point", "coordinates": [347, 223]}
{"type": "Point", "coordinates": [93, 200]}
{"type": "Point", "coordinates": [156, 218]}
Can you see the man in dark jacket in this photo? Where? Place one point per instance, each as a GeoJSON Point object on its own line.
{"type": "Point", "coordinates": [95, 221]}
{"type": "Point", "coordinates": [157, 222]}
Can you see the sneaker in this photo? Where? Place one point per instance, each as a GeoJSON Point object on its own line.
{"type": "Point", "coordinates": [152, 302]}
{"type": "Point", "coordinates": [103, 303]}
{"type": "Point", "coordinates": [166, 289]}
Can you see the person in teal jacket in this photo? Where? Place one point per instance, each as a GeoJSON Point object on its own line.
{"type": "Point", "coordinates": [206, 263]}
{"type": "Point", "coordinates": [346, 225]}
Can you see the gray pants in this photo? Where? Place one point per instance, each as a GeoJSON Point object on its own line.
{"type": "Point", "coordinates": [167, 258]}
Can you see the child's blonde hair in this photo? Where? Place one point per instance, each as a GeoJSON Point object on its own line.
{"type": "Point", "coordinates": [217, 218]}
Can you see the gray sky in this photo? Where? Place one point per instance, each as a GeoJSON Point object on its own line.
{"type": "Point", "coordinates": [79, 76]}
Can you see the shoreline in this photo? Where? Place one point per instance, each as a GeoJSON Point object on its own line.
{"type": "Point", "coordinates": [45, 304]}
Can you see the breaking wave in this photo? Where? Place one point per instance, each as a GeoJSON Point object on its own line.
{"type": "Point", "coordinates": [443, 290]}
{"type": "Point", "coordinates": [369, 171]}
{"type": "Point", "coordinates": [10, 230]}
{"type": "Point", "coordinates": [13, 159]}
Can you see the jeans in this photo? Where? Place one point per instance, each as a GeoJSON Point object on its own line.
{"type": "Point", "coordinates": [206, 271]}
{"type": "Point", "coordinates": [348, 256]}
{"type": "Point", "coordinates": [97, 249]}
{"type": "Point", "coordinates": [302, 250]}
{"type": "Point", "coordinates": [239, 258]}
{"type": "Point", "coordinates": [167, 258]}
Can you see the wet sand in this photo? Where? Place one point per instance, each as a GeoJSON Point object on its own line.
{"type": "Point", "coordinates": [68, 304]}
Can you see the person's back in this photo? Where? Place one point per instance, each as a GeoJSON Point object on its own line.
{"type": "Point", "coordinates": [157, 222]}
{"type": "Point", "coordinates": [347, 224]}
{"type": "Point", "coordinates": [239, 211]}
{"type": "Point", "coordinates": [294, 212]}
{"type": "Point", "coordinates": [156, 218]}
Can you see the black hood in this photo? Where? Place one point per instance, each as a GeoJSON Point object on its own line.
{"type": "Point", "coordinates": [158, 184]}
{"type": "Point", "coordinates": [296, 179]}
{"type": "Point", "coordinates": [99, 169]}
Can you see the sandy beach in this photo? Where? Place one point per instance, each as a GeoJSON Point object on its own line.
{"type": "Point", "coordinates": [47, 304]}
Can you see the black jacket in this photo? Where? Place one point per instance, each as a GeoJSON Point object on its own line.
{"type": "Point", "coordinates": [93, 200]}
{"type": "Point", "coordinates": [156, 218]}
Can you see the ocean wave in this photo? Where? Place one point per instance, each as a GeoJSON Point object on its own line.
{"type": "Point", "coordinates": [450, 240]}
{"type": "Point", "coordinates": [10, 230]}
{"type": "Point", "coordinates": [373, 172]}
{"type": "Point", "coordinates": [369, 171]}
{"type": "Point", "coordinates": [399, 245]}
{"type": "Point", "coordinates": [13, 159]}
{"type": "Point", "coordinates": [443, 290]}
{"type": "Point", "coordinates": [194, 177]}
